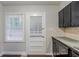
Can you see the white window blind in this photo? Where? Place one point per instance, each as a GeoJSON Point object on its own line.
{"type": "Point", "coordinates": [14, 28]}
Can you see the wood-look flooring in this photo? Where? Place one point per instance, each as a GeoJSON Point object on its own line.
{"type": "Point", "coordinates": [7, 55]}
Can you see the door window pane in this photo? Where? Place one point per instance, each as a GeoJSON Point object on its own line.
{"type": "Point", "coordinates": [36, 24]}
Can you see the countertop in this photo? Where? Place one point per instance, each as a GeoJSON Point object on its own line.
{"type": "Point", "coordinates": [72, 43]}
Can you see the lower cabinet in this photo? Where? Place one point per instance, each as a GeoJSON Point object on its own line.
{"type": "Point", "coordinates": [74, 54]}
{"type": "Point", "coordinates": [62, 50]}
{"type": "Point", "coordinates": [59, 49]}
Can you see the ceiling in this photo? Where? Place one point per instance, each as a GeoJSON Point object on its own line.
{"type": "Point", "coordinates": [30, 2]}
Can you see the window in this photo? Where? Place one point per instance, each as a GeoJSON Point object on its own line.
{"type": "Point", "coordinates": [14, 28]}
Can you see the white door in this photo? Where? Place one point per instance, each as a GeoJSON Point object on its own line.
{"type": "Point", "coordinates": [36, 32]}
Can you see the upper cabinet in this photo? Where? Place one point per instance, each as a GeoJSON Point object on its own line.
{"type": "Point", "coordinates": [66, 16]}
{"type": "Point", "coordinates": [70, 15]}
{"type": "Point", "coordinates": [61, 19]}
{"type": "Point", "coordinates": [75, 14]}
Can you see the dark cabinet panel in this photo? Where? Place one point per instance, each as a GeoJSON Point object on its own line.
{"type": "Point", "coordinates": [74, 54]}
{"type": "Point", "coordinates": [75, 14]}
{"type": "Point", "coordinates": [61, 20]}
{"type": "Point", "coordinates": [64, 17]}
{"type": "Point", "coordinates": [62, 50]}
{"type": "Point", "coordinates": [59, 49]}
{"type": "Point", "coordinates": [67, 18]}
{"type": "Point", "coordinates": [55, 48]}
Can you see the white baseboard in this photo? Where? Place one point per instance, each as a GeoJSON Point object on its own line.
{"type": "Point", "coordinates": [41, 53]}
{"type": "Point", "coordinates": [24, 53]}
{"type": "Point", "coordinates": [15, 52]}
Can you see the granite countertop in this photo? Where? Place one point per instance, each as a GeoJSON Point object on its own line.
{"type": "Point", "coordinates": [69, 42]}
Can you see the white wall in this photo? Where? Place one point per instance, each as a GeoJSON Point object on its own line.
{"type": "Point", "coordinates": [1, 28]}
{"type": "Point", "coordinates": [51, 23]}
{"type": "Point", "coordinates": [63, 4]}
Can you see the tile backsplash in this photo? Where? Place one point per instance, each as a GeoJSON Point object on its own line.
{"type": "Point", "coordinates": [72, 32]}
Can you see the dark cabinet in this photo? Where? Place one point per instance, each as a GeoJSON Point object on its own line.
{"type": "Point", "coordinates": [75, 14]}
{"type": "Point", "coordinates": [59, 50]}
{"type": "Point", "coordinates": [61, 20]}
{"type": "Point", "coordinates": [55, 48]}
{"type": "Point", "coordinates": [62, 50]}
{"type": "Point", "coordinates": [66, 15]}
{"type": "Point", "coordinates": [74, 54]}
{"type": "Point", "coordinates": [70, 16]}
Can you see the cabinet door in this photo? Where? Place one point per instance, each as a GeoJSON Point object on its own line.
{"type": "Point", "coordinates": [74, 54]}
{"type": "Point", "coordinates": [63, 50]}
{"type": "Point", "coordinates": [75, 13]}
{"type": "Point", "coordinates": [55, 47]}
{"type": "Point", "coordinates": [61, 18]}
{"type": "Point", "coordinates": [67, 19]}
